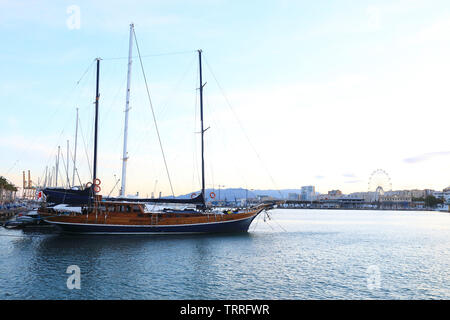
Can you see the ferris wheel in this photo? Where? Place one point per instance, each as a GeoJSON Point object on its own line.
{"type": "Point", "coordinates": [380, 182]}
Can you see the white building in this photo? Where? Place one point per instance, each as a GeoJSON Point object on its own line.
{"type": "Point", "coordinates": [445, 194]}
{"type": "Point", "coordinates": [293, 196]}
{"type": "Point", "coordinates": [308, 193]}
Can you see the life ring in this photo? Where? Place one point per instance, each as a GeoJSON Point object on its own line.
{"type": "Point", "coordinates": [88, 185]}
{"type": "Point", "coordinates": [97, 182]}
{"type": "Point", "coordinates": [212, 195]}
{"type": "Point", "coordinates": [97, 188]}
{"type": "Point", "coordinates": [193, 195]}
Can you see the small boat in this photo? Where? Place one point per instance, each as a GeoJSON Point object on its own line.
{"type": "Point", "coordinates": [14, 224]}
{"type": "Point", "coordinates": [123, 216]}
{"type": "Point", "coordinates": [25, 219]}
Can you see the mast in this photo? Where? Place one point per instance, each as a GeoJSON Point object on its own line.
{"type": "Point", "coordinates": [75, 151]}
{"type": "Point", "coordinates": [201, 122]}
{"type": "Point", "coordinates": [97, 98]}
{"type": "Point", "coordinates": [45, 180]}
{"type": "Point", "coordinates": [67, 166]}
{"type": "Point", "coordinates": [127, 108]}
{"type": "Point", "coordinates": [57, 168]}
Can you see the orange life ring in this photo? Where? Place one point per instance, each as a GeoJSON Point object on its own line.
{"type": "Point", "coordinates": [193, 195]}
{"type": "Point", "coordinates": [97, 183]}
{"type": "Point", "coordinates": [97, 188]}
{"type": "Point", "coordinates": [212, 195]}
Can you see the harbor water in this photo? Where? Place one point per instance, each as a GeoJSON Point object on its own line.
{"type": "Point", "coordinates": [298, 254]}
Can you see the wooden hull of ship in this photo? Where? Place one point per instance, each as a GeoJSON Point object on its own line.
{"type": "Point", "coordinates": [232, 223]}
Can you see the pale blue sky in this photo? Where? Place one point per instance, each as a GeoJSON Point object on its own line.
{"type": "Point", "coordinates": [327, 91]}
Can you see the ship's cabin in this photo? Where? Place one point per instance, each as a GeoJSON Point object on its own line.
{"type": "Point", "coordinates": [121, 207]}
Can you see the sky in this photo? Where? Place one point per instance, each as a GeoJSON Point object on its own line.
{"type": "Point", "coordinates": [297, 93]}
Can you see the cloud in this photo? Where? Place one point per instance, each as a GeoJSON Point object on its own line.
{"type": "Point", "coordinates": [373, 14]}
{"type": "Point", "coordinates": [349, 175]}
{"type": "Point", "coordinates": [426, 156]}
{"type": "Point", "coordinates": [353, 181]}
{"type": "Point", "coordinates": [434, 33]}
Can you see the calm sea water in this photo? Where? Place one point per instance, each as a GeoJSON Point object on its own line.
{"type": "Point", "coordinates": [299, 254]}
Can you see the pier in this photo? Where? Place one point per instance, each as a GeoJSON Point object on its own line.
{"type": "Point", "coordinates": [349, 204]}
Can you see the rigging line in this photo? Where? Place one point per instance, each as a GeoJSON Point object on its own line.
{"type": "Point", "coordinates": [256, 224]}
{"type": "Point", "coordinates": [153, 112]}
{"type": "Point", "coordinates": [154, 55]}
{"type": "Point", "coordinates": [64, 183]}
{"type": "Point", "coordinates": [240, 125]}
{"type": "Point", "coordinates": [165, 104]}
{"type": "Point", "coordinates": [85, 150]}
{"type": "Point", "coordinates": [50, 118]}
{"type": "Point", "coordinates": [12, 167]}
{"type": "Point", "coordinates": [111, 104]}
{"type": "Point", "coordinates": [82, 76]}
{"type": "Point", "coordinates": [271, 218]}
{"type": "Point", "coordinates": [76, 169]}
{"type": "Point", "coordinates": [217, 123]}
{"type": "Point", "coordinates": [49, 158]}
{"type": "Point", "coordinates": [114, 186]}
{"type": "Point", "coordinates": [267, 222]}
{"type": "Point", "coordinates": [176, 88]}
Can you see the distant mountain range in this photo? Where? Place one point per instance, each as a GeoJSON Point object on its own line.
{"type": "Point", "coordinates": [231, 194]}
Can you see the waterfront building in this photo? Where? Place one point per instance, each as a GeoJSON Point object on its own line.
{"type": "Point", "coordinates": [263, 197]}
{"type": "Point", "coordinates": [418, 193]}
{"type": "Point", "coordinates": [293, 196]}
{"type": "Point", "coordinates": [308, 193]}
{"type": "Point", "coordinates": [331, 195]}
{"type": "Point", "coordinates": [335, 193]}
{"type": "Point", "coordinates": [445, 195]}
{"type": "Point", "coordinates": [401, 197]}
{"type": "Point", "coordinates": [367, 196]}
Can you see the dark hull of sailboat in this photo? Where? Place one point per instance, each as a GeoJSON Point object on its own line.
{"type": "Point", "coordinates": [68, 196]}
{"type": "Point", "coordinates": [231, 226]}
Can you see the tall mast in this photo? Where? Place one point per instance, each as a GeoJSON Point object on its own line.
{"type": "Point", "coordinates": [127, 108]}
{"type": "Point", "coordinates": [75, 151]}
{"type": "Point", "coordinates": [67, 165]}
{"type": "Point", "coordinates": [45, 181]}
{"type": "Point", "coordinates": [57, 167]}
{"type": "Point", "coordinates": [97, 98]}
{"type": "Point", "coordinates": [201, 122]}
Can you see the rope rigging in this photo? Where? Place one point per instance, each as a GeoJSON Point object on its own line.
{"type": "Point", "coordinates": [241, 126]}
{"type": "Point", "coordinates": [153, 113]}
{"type": "Point", "coordinates": [153, 55]}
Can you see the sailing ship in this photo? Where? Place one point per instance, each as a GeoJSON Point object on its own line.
{"type": "Point", "coordinates": [123, 215]}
